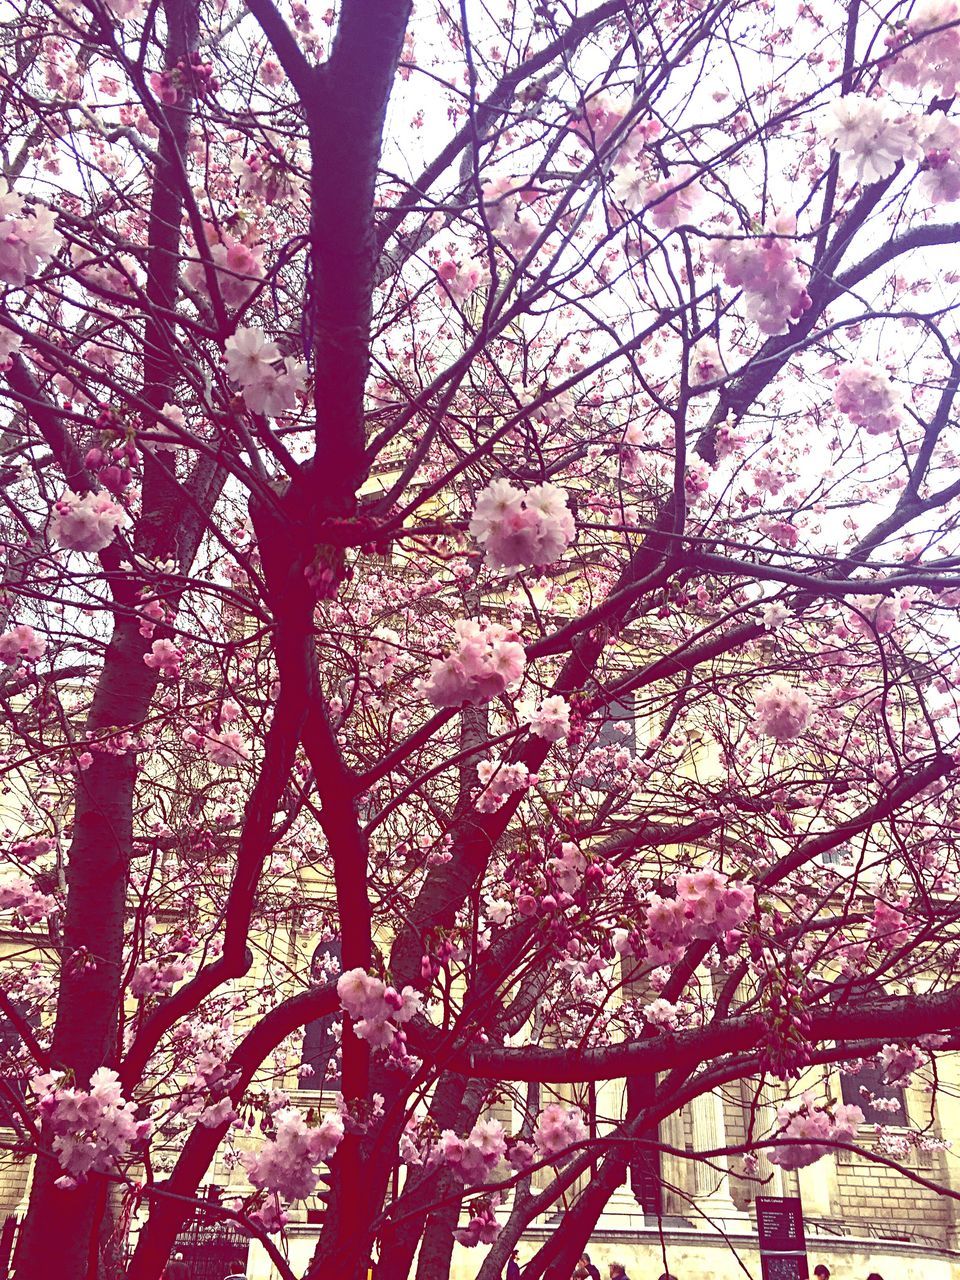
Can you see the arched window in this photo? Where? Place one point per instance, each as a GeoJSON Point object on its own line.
{"type": "Point", "coordinates": [319, 1042]}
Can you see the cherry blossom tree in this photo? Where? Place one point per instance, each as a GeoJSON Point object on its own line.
{"type": "Point", "coordinates": [480, 490]}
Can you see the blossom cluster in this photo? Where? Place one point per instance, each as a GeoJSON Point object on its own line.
{"type": "Point", "coordinates": [375, 1007]}
{"type": "Point", "coordinates": [568, 869]}
{"type": "Point", "coordinates": [286, 1164]}
{"type": "Point", "coordinates": [876, 614]}
{"type": "Point", "coordinates": [482, 1227]}
{"type": "Point", "coordinates": [86, 523]}
{"type": "Point", "coordinates": [899, 1062]}
{"type": "Point", "coordinates": [782, 711]}
{"type": "Point", "coordinates": [18, 894]}
{"type": "Point", "coordinates": [237, 267]}
{"type": "Point", "coordinates": [816, 1126]}
{"type": "Point", "coordinates": [505, 207]}
{"type": "Point", "coordinates": [499, 781]}
{"type": "Point", "coordinates": [551, 720]}
{"type": "Point", "coordinates": [868, 398]}
{"type": "Point", "coordinates": [250, 360]}
{"type": "Point", "coordinates": [381, 655]}
{"type": "Point", "coordinates": [672, 201]}
{"type": "Point", "coordinates": [558, 1128]}
{"type": "Point", "coordinates": [26, 242]}
{"type": "Point", "coordinates": [872, 138]}
{"type": "Point", "coordinates": [767, 270]}
{"type": "Point", "coordinates": [706, 906]}
{"type": "Point", "coordinates": [522, 530]}
{"type": "Point", "coordinates": [93, 1129]}
{"type": "Point", "coordinates": [156, 977]}
{"type": "Point", "coordinates": [10, 344]}
{"type": "Point", "coordinates": [165, 656]}
{"type": "Point", "coordinates": [888, 928]}
{"type": "Point", "coordinates": [205, 1097]}
{"type": "Point", "coordinates": [600, 117]}
{"type": "Point", "coordinates": [706, 363]}
{"type": "Point", "coordinates": [458, 282]}
{"type": "Point", "coordinates": [488, 659]}
{"type": "Point", "coordinates": [931, 56]}
{"type": "Point", "coordinates": [21, 642]}
{"type": "Point", "coordinates": [225, 747]}
{"type": "Point", "coordinates": [31, 849]}
{"type": "Point", "coordinates": [475, 1157]}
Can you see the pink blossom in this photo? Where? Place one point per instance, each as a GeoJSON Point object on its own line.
{"type": "Point", "coordinates": [164, 656]}
{"type": "Point", "coordinates": [671, 201]}
{"type": "Point", "coordinates": [30, 850]}
{"type": "Point", "coordinates": [226, 748]}
{"type": "Point", "coordinates": [558, 1128]}
{"type": "Point", "coordinates": [782, 711]}
{"type": "Point", "coordinates": [9, 345]}
{"type": "Point", "coordinates": [87, 523]}
{"type": "Point", "coordinates": [18, 894]}
{"type": "Point", "coordinates": [868, 398]}
{"type": "Point", "coordinates": [871, 138]}
{"type": "Point", "coordinates": [456, 281]}
{"type": "Point", "coordinates": [381, 655]}
{"type": "Point", "coordinates": [500, 781]}
{"type": "Point", "coordinates": [26, 242]}
{"type": "Point", "coordinates": [271, 73]}
{"type": "Point", "coordinates": [782, 532]}
{"type": "Point", "coordinates": [482, 1228]}
{"type": "Point", "coordinates": [774, 615]}
{"type": "Point", "coordinates": [597, 120]}
{"type": "Point", "coordinates": [567, 870]}
{"type": "Point", "coordinates": [707, 907]}
{"type": "Point", "coordinates": [878, 614]}
{"type": "Point", "coordinates": [766, 269]}
{"type": "Point", "coordinates": [817, 1126]}
{"type": "Point", "coordinates": [269, 1215]}
{"type": "Point", "coordinates": [375, 1007]}
{"type": "Point", "coordinates": [929, 61]}
{"type": "Point", "coordinates": [487, 661]}
{"type": "Point", "coordinates": [506, 215]}
{"type": "Point", "coordinates": [474, 1158]}
{"type": "Point", "coordinates": [361, 995]}
{"type": "Point", "coordinates": [21, 642]}
{"type": "Point", "coordinates": [661, 1013]}
{"type": "Point", "coordinates": [889, 926]}
{"type": "Point", "coordinates": [520, 530]}
{"type": "Point", "coordinates": [156, 977]}
{"type": "Point", "coordinates": [899, 1062]}
{"type": "Point", "coordinates": [287, 1163]}
{"type": "Point", "coordinates": [170, 437]}
{"type": "Point", "coordinates": [249, 356]}
{"type": "Point", "coordinates": [499, 911]}
{"type": "Point", "coordinates": [124, 9]}
{"type": "Point", "coordinates": [706, 363]}
{"type": "Point", "coordinates": [238, 267]}
{"type": "Point", "coordinates": [276, 393]}
{"type": "Point", "coordinates": [551, 720]}
{"type": "Point", "coordinates": [94, 1129]}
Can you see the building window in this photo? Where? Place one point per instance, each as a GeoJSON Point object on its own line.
{"type": "Point", "coordinates": [617, 731]}
{"type": "Point", "coordinates": [14, 1072]}
{"type": "Point", "coordinates": [320, 1045]}
{"type": "Point", "coordinates": [856, 1090]}
{"type": "Point", "coordinates": [842, 856]}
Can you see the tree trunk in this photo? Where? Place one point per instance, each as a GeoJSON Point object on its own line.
{"type": "Point", "coordinates": [58, 1233]}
